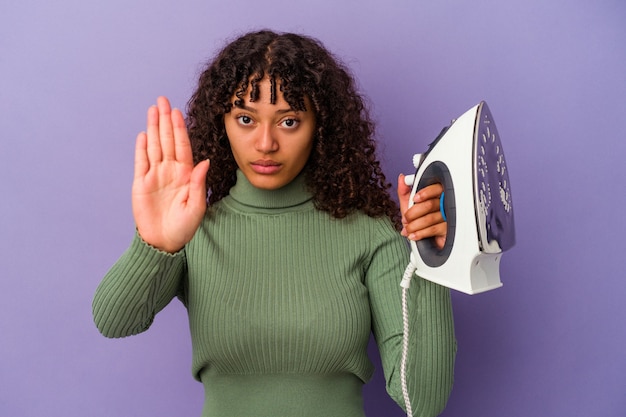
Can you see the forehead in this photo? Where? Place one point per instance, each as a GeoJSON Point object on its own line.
{"type": "Point", "coordinates": [268, 90]}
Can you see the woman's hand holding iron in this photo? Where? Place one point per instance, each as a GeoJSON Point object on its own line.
{"type": "Point", "coordinates": [423, 219]}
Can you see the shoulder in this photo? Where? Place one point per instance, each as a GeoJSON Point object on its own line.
{"type": "Point", "coordinates": [380, 225]}
{"type": "Point", "coordinates": [376, 233]}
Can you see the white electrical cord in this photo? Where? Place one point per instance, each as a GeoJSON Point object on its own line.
{"type": "Point", "coordinates": [405, 284]}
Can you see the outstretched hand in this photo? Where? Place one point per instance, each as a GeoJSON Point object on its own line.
{"type": "Point", "coordinates": [169, 192]}
{"type": "Point", "coordinates": [423, 220]}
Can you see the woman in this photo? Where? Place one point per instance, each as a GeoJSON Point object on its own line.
{"type": "Point", "coordinates": [297, 257]}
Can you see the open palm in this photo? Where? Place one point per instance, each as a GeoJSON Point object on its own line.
{"type": "Point", "coordinates": [169, 192]}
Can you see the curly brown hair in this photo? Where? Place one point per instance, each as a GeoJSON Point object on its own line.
{"type": "Point", "coordinates": [343, 171]}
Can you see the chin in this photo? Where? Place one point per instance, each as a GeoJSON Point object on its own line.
{"type": "Point", "coordinates": [267, 182]}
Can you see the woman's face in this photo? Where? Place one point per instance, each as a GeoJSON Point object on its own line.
{"type": "Point", "coordinates": [271, 143]}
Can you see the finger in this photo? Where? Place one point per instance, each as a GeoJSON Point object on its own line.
{"type": "Point", "coordinates": [424, 222]}
{"type": "Point", "coordinates": [421, 209]}
{"type": "Point", "coordinates": [166, 134]}
{"type": "Point", "coordinates": [440, 241]}
{"type": "Point", "coordinates": [152, 133]}
{"type": "Point", "coordinates": [181, 138]}
{"type": "Point", "coordinates": [142, 163]}
{"type": "Point", "coordinates": [197, 191]}
{"type": "Point", "coordinates": [437, 231]}
{"type": "Point", "coordinates": [429, 192]}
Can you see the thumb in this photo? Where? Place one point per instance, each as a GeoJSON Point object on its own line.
{"type": "Point", "coordinates": [404, 191]}
{"type": "Point", "coordinates": [197, 192]}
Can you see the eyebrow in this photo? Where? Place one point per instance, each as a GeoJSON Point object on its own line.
{"type": "Point", "coordinates": [253, 110]}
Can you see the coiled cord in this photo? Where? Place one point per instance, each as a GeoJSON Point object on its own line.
{"type": "Point", "coordinates": [405, 284]}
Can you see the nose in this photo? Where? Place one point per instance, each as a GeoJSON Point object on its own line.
{"type": "Point", "coordinates": [266, 142]}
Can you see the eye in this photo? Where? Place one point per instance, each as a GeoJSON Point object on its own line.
{"type": "Point", "coordinates": [244, 120]}
{"type": "Point", "coordinates": [289, 123]}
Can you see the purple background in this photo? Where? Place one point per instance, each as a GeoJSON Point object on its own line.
{"type": "Point", "coordinates": [76, 78]}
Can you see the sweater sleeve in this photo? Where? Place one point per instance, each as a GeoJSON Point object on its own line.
{"type": "Point", "coordinates": [432, 344]}
{"type": "Point", "coordinates": [139, 285]}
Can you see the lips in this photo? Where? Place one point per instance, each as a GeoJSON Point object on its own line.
{"type": "Point", "coordinates": [263, 166]}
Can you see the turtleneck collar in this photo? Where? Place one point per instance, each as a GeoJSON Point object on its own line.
{"type": "Point", "coordinates": [245, 196]}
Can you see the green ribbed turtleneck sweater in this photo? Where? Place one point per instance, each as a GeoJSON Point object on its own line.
{"type": "Point", "coordinates": [281, 299]}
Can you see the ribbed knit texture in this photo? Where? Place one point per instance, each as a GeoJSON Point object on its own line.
{"type": "Point", "coordinates": [282, 299]}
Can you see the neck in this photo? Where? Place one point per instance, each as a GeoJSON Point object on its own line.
{"type": "Point", "coordinates": [293, 194]}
